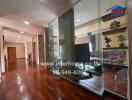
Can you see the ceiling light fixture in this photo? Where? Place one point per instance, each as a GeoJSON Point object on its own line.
{"type": "Point", "coordinates": [26, 22]}
{"type": "Point", "coordinates": [78, 20]}
{"type": "Point", "coordinates": [22, 32]}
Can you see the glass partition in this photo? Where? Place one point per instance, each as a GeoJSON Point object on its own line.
{"type": "Point", "coordinates": [53, 41]}
{"type": "Point", "coordinates": [88, 37]}
{"type": "Point", "coordinates": [75, 45]}
{"type": "Point", "coordinates": [89, 45]}
{"type": "Point", "coordinates": [115, 46]}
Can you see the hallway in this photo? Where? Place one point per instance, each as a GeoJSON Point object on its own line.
{"type": "Point", "coordinates": [25, 81]}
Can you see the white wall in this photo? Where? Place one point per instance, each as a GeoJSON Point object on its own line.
{"type": "Point", "coordinates": [82, 30]}
{"type": "Point", "coordinates": [20, 49]}
{"type": "Point", "coordinates": [37, 50]}
{"type": "Point", "coordinates": [28, 49]}
{"type": "Point", "coordinates": [82, 40]}
{"type": "Point", "coordinates": [2, 61]}
{"type": "Point", "coordinates": [35, 39]}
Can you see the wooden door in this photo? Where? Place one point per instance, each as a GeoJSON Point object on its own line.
{"type": "Point", "coordinates": [11, 53]}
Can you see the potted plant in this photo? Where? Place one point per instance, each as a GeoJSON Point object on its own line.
{"type": "Point", "coordinates": [121, 39]}
{"type": "Point", "coordinates": [115, 25]}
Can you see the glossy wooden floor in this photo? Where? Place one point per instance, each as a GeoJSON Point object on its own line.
{"type": "Point", "coordinates": [25, 81]}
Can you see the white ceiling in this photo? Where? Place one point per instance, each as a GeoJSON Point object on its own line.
{"type": "Point", "coordinates": [39, 12]}
{"type": "Point", "coordinates": [87, 10]}
{"type": "Point", "coordinates": [16, 37]}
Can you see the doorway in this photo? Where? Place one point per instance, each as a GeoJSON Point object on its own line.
{"type": "Point", "coordinates": [11, 53]}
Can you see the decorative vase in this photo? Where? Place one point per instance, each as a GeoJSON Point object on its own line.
{"type": "Point", "coordinates": [108, 46]}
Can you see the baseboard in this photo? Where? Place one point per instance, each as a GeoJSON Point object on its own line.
{"type": "Point", "coordinates": [21, 58]}
{"type": "Point", "coordinates": [3, 73]}
{"type": "Point", "coordinates": [119, 97]}
{"type": "Point", "coordinates": [17, 59]}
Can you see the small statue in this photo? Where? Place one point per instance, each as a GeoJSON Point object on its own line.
{"type": "Point", "coordinates": [121, 39]}
{"type": "Point", "coordinates": [107, 40]}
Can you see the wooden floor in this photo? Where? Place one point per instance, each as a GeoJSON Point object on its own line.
{"type": "Point", "coordinates": [96, 83]}
{"type": "Point", "coordinates": [109, 82]}
{"type": "Point", "coordinates": [25, 81]}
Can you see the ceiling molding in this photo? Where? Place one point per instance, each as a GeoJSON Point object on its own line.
{"type": "Point", "coordinates": [17, 31]}
{"type": "Point", "coordinates": [87, 23]}
{"type": "Point", "coordinates": [16, 25]}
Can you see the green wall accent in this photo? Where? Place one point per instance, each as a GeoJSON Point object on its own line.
{"type": "Point", "coordinates": [66, 32]}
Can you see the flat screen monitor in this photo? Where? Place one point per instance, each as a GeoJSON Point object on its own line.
{"type": "Point", "coordinates": [82, 53]}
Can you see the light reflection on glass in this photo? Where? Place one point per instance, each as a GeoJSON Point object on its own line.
{"type": "Point", "coordinates": [25, 98]}
{"type": "Point", "coordinates": [21, 88]}
{"type": "Point", "coordinates": [27, 69]}
{"type": "Point", "coordinates": [19, 80]}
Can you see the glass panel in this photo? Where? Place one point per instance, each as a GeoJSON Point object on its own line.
{"type": "Point", "coordinates": [115, 46]}
{"type": "Point", "coordinates": [53, 41]}
{"type": "Point", "coordinates": [88, 41]}
{"type": "Point", "coordinates": [66, 32]}
{"type": "Point", "coordinates": [78, 57]}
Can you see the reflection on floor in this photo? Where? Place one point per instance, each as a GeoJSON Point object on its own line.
{"type": "Point", "coordinates": [95, 84]}
{"type": "Point", "coordinates": [109, 82]}
{"type": "Point", "coordinates": [25, 81]}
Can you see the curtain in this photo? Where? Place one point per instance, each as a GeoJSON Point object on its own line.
{"type": "Point", "coordinates": [92, 41]}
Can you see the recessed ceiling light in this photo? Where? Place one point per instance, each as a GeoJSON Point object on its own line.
{"type": "Point", "coordinates": [26, 22]}
{"type": "Point", "coordinates": [22, 32]}
{"type": "Point", "coordinates": [78, 20]}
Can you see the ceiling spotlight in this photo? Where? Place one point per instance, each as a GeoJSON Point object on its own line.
{"type": "Point", "coordinates": [78, 20]}
{"type": "Point", "coordinates": [26, 22]}
{"type": "Point", "coordinates": [22, 32]}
